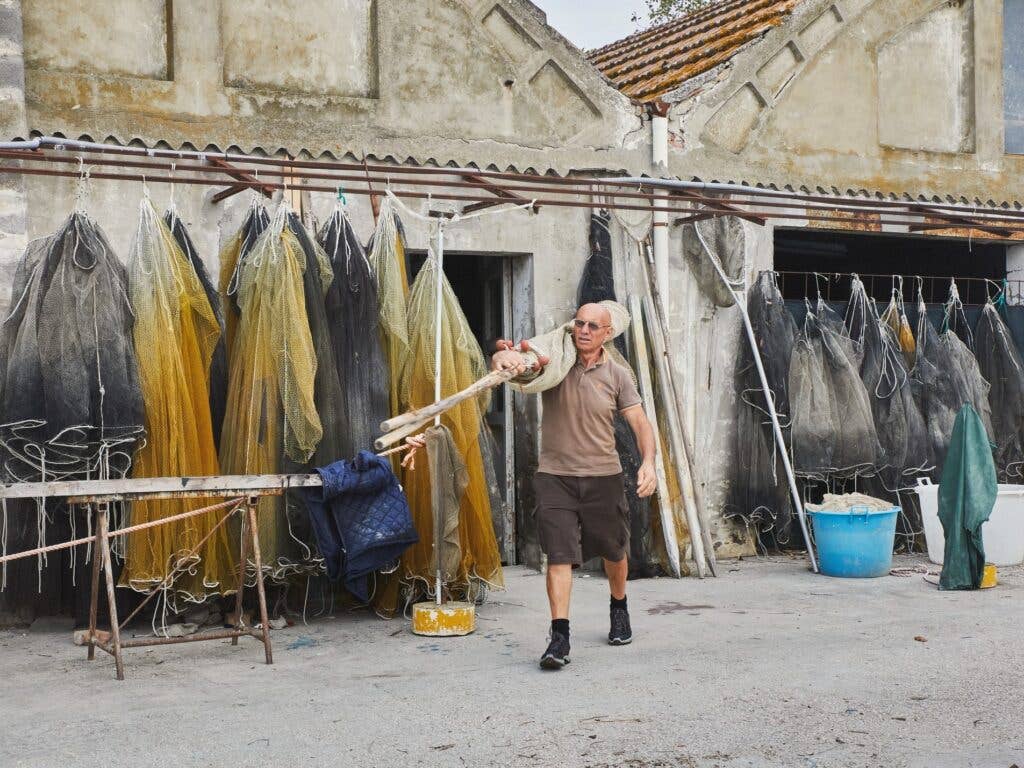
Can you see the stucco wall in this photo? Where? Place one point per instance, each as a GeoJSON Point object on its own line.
{"type": "Point", "coordinates": [892, 96]}
{"type": "Point", "coordinates": [451, 80]}
{"type": "Point", "coordinates": [13, 210]}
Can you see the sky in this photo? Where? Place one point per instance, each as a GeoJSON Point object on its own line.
{"type": "Point", "coordinates": [593, 23]}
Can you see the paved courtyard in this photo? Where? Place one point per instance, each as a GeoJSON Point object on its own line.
{"type": "Point", "coordinates": [768, 665]}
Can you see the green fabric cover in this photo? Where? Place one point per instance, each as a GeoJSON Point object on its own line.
{"type": "Point", "coordinates": [967, 494]}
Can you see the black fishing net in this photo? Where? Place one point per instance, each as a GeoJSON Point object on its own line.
{"type": "Point", "coordinates": [598, 284]}
{"type": "Point", "coordinates": [948, 377]}
{"type": "Point", "coordinates": [833, 433]}
{"type": "Point", "coordinates": [233, 255]}
{"type": "Point", "coordinates": [71, 404]}
{"type": "Point", "coordinates": [900, 428]}
{"type": "Point", "coordinates": [999, 361]}
{"type": "Point", "coordinates": [328, 396]}
{"type": "Point", "coordinates": [760, 493]}
{"type": "Point", "coordinates": [353, 319]}
{"type": "Point", "coordinates": [219, 361]}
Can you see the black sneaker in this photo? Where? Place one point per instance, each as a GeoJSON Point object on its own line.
{"type": "Point", "coordinates": [620, 633]}
{"type": "Point", "coordinates": [557, 654]}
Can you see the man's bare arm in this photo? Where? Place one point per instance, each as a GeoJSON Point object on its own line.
{"type": "Point", "coordinates": [646, 480]}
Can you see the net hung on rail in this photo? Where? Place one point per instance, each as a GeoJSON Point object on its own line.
{"type": "Point", "coordinates": [1000, 363]}
{"type": "Point", "coordinates": [833, 432]}
{"type": "Point", "coordinates": [71, 405]}
{"type": "Point", "coordinates": [461, 364]}
{"type": "Point", "coordinates": [271, 416]}
{"type": "Point", "coordinates": [353, 318]}
{"type": "Point", "coordinates": [219, 362]}
{"type": "Point", "coordinates": [760, 495]}
{"type": "Point", "coordinates": [176, 333]}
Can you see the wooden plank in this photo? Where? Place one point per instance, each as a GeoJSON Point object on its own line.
{"type": "Point", "coordinates": [703, 547]}
{"type": "Point", "coordinates": [643, 372]}
{"type": "Point", "coordinates": [213, 486]}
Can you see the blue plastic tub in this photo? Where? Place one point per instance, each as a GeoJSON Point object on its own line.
{"type": "Point", "coordinates": [855, 544]}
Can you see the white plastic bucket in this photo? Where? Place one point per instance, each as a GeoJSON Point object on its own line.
{"type": "Point", "coordinates": [1002, 535]}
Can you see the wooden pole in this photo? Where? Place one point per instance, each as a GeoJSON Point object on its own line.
{"type": "Point", "coordinates": [427, 412]}
{"type": "Point", "coordinates": [668, 524]}
{"type": "Point", "coordinates": [408, 423]}
{"type": "Point", "coordinates": [703, 549]}
{"type": "Point", "coordinates": [115, 627]}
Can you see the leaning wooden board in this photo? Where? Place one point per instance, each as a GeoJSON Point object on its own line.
{"type": "Point", "coordinates": [643, 374]}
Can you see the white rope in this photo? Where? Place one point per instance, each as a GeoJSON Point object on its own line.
{"type": "Point", "coordinates": [456, 217]}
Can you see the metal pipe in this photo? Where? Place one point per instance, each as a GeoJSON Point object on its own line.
{"type": "Point", "coordinates": [716, 188]}
{"type": "Point", "coordinates": [439, 258]}
{"type": "Point", "coordinates": [708, 211]}
{"type": "Point", "coordinates": [220, 634]}
{"type": "Point", "coordinates": [659, 162]}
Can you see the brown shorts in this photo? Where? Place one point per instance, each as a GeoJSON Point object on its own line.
{"type": "Point", "coordinates": [581, 517]}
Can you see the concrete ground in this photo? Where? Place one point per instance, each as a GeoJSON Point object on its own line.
{"type": "Point", "coordinates": [768, 665]}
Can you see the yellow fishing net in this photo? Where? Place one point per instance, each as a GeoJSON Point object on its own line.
{"type": "Point", "coordinates": [175, 334]}
{"type": "Point", "coordinates": [462, 363]}
{"type": "Point", "coordinates": [271, 413]}
{"type": "Point", "coordinates": [387, 260]}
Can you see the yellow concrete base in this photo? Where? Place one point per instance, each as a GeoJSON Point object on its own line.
{"type": "Point", "coordinates": [446, 620]}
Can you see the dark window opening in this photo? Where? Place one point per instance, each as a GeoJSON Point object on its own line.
{"type": "Point", "coordinates": [978, 268]}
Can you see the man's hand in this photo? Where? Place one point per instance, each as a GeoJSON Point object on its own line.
{"type": "Point", "coordinates": [508, 357]}
{"type": "Point", "coordinates": [646, 480]}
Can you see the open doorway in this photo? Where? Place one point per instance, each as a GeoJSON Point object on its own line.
{"type": "Point", "coordinates": [484, 286]}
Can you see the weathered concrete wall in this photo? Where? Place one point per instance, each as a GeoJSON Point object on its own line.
{"type": "Point", "coordinates": [893, 96]}
{"type": "Point", "coordinates": [13, 210]}
{"type": "Point", "coordinates": [450, 80]}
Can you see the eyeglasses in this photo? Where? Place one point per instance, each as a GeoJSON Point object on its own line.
{"type": "Point", "coordinates": [581, 324]}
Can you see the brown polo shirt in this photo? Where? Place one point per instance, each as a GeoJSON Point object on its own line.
{"type": "Point", "coordinates": [578, 426]}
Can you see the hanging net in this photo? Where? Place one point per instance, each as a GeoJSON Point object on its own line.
{"type": "Point", "coordinates": [71, 406]}
{"type": "Point", "coordinates": [387, 263]}
{"type": "Point", "coordinates": [231, 256]}
{"type": "Point", "coordinates": [317, 277]}
{"type": "Point", "coordinates": [948, 377]}
{"type": "Point", "coordinates": [1000, 363]}
{"type": "Point", "coordinates": [833, 433]}
{"type": "Point", "coordinates": [760, 495]}
{"type": "Point", "coordinates": [462, 363]}
{"type": "Point", "coordinates": [726, 242]}
{"type": "Point", "coordinates": [176, 332]}
{"type": "Point", "coordinates": [219, 361]}
{"type": "Point", "coordinates": [353, 317]}
{"type": "Point", "coordinates": [898, 422]}
{"type": "Point", "coordinates": [271, 411]}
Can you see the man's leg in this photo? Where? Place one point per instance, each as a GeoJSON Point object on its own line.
{"type": "Point", "coordinates": [616, 573]}
{"type": "Point", "coordinates": [560, 589]}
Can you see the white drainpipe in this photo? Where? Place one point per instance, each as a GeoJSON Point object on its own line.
{"type": "Point", "coordinates": [659, 168]}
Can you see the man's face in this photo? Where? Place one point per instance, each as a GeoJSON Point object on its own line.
{"type": "Point", "coordinates": [591, 328]}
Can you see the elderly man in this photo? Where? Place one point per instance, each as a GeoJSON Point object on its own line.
{"type": "Point", "coordinates": [581, 504]}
